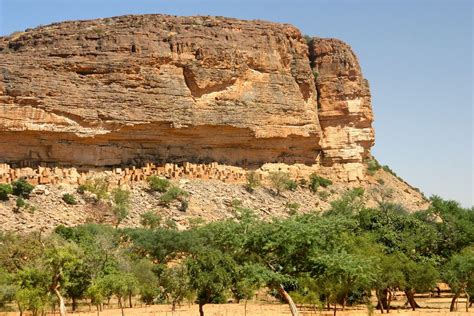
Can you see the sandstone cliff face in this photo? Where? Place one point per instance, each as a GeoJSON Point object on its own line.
{"type": "Point", "coordinates": [345, 111]}
{"type": "Point", "coordinates": [132, 89]}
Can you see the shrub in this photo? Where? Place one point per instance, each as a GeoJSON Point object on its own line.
{"type": "Point", "coordinates": [20, 202]}
{"type": "Point", "coordinates": [173, 193]}
{"type": "Point", "coordinates": [184, 206]}
{"type": "Point", "coordinates": [97, 186]}
{"type": "Point", "coordinates": [380, 181]}
{"type": "Point", "coordinates": [69, 199]}
{"type": "Point", "coordinates": [252, 181]}
{"type": "Point", "coordinates": [372, 166]}
{"type": "Point", "coordinates": [323, 195]}
{"type": "Point", "coordinates": [22, 188]}
{"type": "Point", "coordinates": [315, 181]}
{"type": "Point", "coordinates": [292, 207]}
{"type": "Point", "coordinates": [291, 185]}
{"type": "Point", "coordinates": [158, 184]}
{"type": "Point", "coordinates": [121, 199]}
{"type": "Point", "coordinates": [5, 189]}
{"type": "Point", "coordinates": [281, 181]}
{"type": "Point", "coordinates": [150, 219]}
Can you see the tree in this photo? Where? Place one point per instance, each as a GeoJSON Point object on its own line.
{"type": "Point", "coordinates": [121, 204]}
{"type": "Point", "coordinates": [22, 188]}
{"type": "Point", "coordinates": [459, 274]}
{"type": "Point", "coordinates": [210, 274]}
{"type": "Point", "coordinates": [5, 190]}
{"type": "Point", "coordinates": [176, 284]}
{"type": "Point", "coordinates": [118, 284]}
{"type": "Point", "coordinates": [158, 184]}
{"type": "Point", "coordinates": [61, 259]}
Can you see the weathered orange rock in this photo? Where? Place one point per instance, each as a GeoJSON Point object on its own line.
{"type": "Point", "coordinates": [133, 89]}
{"type": "Point", "coordinates": [345, 111]}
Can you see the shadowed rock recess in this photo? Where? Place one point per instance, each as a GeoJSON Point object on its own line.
{"type": "Point", "coordinates": [157, 88]}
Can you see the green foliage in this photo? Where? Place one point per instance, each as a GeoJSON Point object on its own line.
{"type": "Point", "coordinates": [22, 188]}
{"type": "Point", "coordinates": [292, 207]}
{"type": "Point", "coordinates": [350, 203]}
{"type": "Point", "coordinates": [158, 184]}
{"type": "Point", "coordinates": [20, 202]}
{"type": "Point", "coordinates": [324, 195]}
{"type": "Point", "coordinates": [173, 193]}
{"type": "Point", "coordinates": [372, 166]}
{"type": "Point", "coordinates": [121, 199]}
{"type": "Point", "coordinates": [252, 181]}
{"type": "Point", "coordinates": [459, 271]}
{"type": "Point", "coordinates": [5, 190]}
{"type": "Point", "coordinates": [69, 199]}
{"type": "Point", "coordinates": [150, 219]}
{"type": "Point", "coordinates": [315, 181]}
{"type": "Point", "coordinates": [281, 181]}
{"type": "Point", "coordinates": [97, 186]}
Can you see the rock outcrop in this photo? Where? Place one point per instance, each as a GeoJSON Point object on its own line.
{"type": "Point", "coordinates": [156, 88]}
{"type": "Point", "coordinates": [345, 111]}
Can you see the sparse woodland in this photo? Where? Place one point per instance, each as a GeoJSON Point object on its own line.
{"type": "Point", "coordinates": [327, 261]}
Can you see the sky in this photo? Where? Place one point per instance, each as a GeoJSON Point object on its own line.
{"type": "Point", "coordinates": [416, 54]}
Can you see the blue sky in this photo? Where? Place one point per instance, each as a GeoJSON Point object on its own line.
{"type": "Point", "coordinates": [417, 55]}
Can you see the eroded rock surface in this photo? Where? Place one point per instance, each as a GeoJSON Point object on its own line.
{"type": "Point", "coordinates": [345, 111]}
{"type": "Point", "coordinates": [158, 88]}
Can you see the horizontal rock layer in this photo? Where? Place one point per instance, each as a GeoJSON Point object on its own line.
{"type": "Point", "coordinates": [133, 89]}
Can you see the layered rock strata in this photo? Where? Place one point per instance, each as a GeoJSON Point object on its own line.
{"type": "Point", "coordinates": [156, 88]}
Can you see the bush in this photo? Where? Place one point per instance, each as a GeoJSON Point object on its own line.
{"type": "Point", "coordinates": [184, 206]}
{"type": "Point", "coordinates": [97, 186]}
{"type": "Point", "coordinates": [173, 193]}
{"type": "Point", "coordinates": [150, 219]}
{"type": "Point", "coordinates": [5, 189]}
{"type": "Point", "coordinates": [323, 195]}
{"type": "Point", "coordinates": [158, 184]}
{"type": "Point", "coordinates": [20, 202]}
{"type": "Point", "coordinates": [252, 181]}
{"type": "Point", "coordinates": [281, 181]}
{"type": "Point", "coordinates": [22, 188]}
{"type": "Point", "coordinates": [69, 199]}
{"type": "Point", "coordinates": [121, 199]}
{"type": "Point", "coordinates": [372, 166]}
{"type": "Point", "coordinates": [292, 207]}
{"type": "Point", "coordinates": [291, 185]}
{"type": "Point", "coordinates": [315, 181]}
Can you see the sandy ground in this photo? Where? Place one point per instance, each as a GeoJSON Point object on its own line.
{"type": "Point", "coordinates": [430, 306]}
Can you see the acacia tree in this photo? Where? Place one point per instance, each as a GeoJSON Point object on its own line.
{"type": "Point", "coordinates": [210, 274]}
{"type": "Point", "coordinates": [61, 258]}
{"type": "Point", "coordinates": [176, 284]}
{"type": "Point", "coordinates": [459, 274]}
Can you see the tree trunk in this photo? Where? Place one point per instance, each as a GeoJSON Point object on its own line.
{"type": "Point", "coordinates": [389, 300]}
{"type": "Point", "coordinates": [62, 306]}
{"type": "Point", "coordinates": [245, 310]}
{"type": "Point", "coordinates": [130, 300]}
{"type": "Point", "coordinates": [411, 299]}
{"type": "Point", "coordinates": [201, 309]}
{"type": "Point", "coordinates": [453, 301]}
{"type": "Point", "coordinates": [121, 306]}
{"type": "Point", "coordinates": [288, 299]}
{"type": "Point", "coordinates": [468, 298]}
{"type": "Point", "coordinates": [74, 304]}
{"type": "Point", "coordinates": [379, 301]}
{"type": "Point", "coordinates": [335, 309]}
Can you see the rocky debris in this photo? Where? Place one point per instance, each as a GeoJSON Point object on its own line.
{"type": "Point", "coordinates": [209, 200]}
{"type": "Point", "coordinates": [158, 88]}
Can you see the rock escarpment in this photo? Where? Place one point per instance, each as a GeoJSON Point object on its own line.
{"type": "Point", "coordinates": [134, 89]}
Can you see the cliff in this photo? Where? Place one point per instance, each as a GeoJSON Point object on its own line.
{"type": "Point", "coordinates": [154, 88]}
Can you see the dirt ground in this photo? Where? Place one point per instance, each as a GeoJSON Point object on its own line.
{"type": "Point", "coordinates": [430, 306]}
